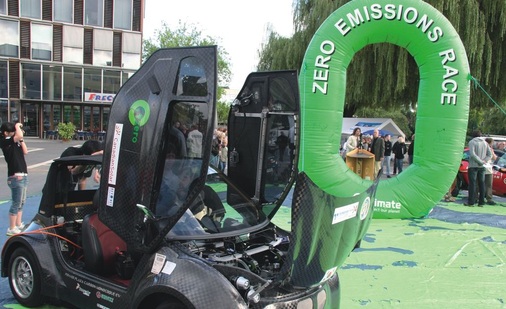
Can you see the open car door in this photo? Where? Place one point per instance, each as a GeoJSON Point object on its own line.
{"type": "Point", "coordinates": [262, 138]}
{"type": "Point", "coordinates": [173, 87]}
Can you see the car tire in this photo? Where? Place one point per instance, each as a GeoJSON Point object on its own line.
{"type": "Point", "coordinates": [170, 304]}
{"type": "Point", "coordinates": [25, 278]}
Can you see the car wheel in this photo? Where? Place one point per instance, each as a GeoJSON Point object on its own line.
{"type": "Point", "coordinates": [170, 304]}
{"type": "Point", "coordinates": [458, 186]}
{"type": "Point", "coordinates": [24, 278]}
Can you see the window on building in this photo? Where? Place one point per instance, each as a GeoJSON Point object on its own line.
{"type": "Point", "coordinates": [31, 8]}
{"type": "Point", "coordinates": [30, 79]}
{"type": "Point", "coordinates": [92, 80]}
{"type": "Point", "coordinates": [111, 81]}
{"type": "Point", "coordinates": [63, 10]}
{"type": "Point", "coordinates": [42, 42]}
{"type": "Point", "coordinates": [73, 38]}
{"type": "Point", "coordinates": [94, 13]}
{"type": "Point", "coordinates": [9, 38]}
{"type": "Point", "coordinates": [132, 44]}
{"type": "Point", "coordinates": [102, 47]}
{"type": "Point", "coordinates": [4, 93]}
{"type": "Point", "coordinates": [106, 111]}
{"type": "Point", "coordinates": [4, 110]}
{"type": "Point", "coordinates": [123, 14]}
{"type": "Point", "coordinates": [125, 76]}
{"type": "Point", "coordinates": [51, 82]}
{"type": "Point", "coordinates": [72, 84]}
{"type": "Point", "coordinates": [3, 7]}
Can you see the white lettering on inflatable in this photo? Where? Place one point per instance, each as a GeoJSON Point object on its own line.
{"type": "Point", "coordinates": [449, 85]}
{"type": "Point", "coordinates": [387, 205]}
{"type": "Point", "coordinates": [321, 73]}
{"type": "Point", "coordinates": [376, 11]}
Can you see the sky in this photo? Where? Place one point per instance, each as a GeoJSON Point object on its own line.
{"type": "Point", "coordinates": [239, 26]}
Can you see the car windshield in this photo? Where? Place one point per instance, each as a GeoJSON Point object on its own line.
{"type": "Point", "coordinates": [218, 208]}
{"type": "Point", "coordinates": [501, 161]}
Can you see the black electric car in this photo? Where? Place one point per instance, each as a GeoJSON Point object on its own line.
{"type": "Point", "coordinates": [145, 225]}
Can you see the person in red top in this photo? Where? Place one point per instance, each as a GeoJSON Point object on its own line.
{"type": "Point", "coordinates": [14, 150]}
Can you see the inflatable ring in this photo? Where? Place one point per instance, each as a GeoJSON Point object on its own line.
{"type": "Point", "coordinates": [443, 101]}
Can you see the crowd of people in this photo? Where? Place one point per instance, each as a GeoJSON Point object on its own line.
{"type": "Point", "coordinates": [384, 151]}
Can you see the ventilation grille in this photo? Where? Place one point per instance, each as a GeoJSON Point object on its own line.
{"type": "Point", "coordinates": [25, 39]}
{"type": "Point", "coordinates": [13, 79]}
{"type": "Point", "coordinates": [78, 12]}
{"type": "Point", "coordinates": [108, 11]}
{"type": "Point", "coordinates": [14, 7]}
{"type": "Point", "coordinates": [116, 49]}
{"type": "Point", "coordinates": [47, 10]}
{"type": "Point", "coordinates": [136, 20]}
{"type": "Point", "coordinates": [88, 46]}
{"type": "Point", "coordinates": [57, 43]}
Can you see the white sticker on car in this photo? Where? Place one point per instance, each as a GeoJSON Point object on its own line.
{"type": "Point", "coordinates": [344, 213]}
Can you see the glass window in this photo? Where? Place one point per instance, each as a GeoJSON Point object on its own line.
{"type": "Point", "coordinates": [95, 120]}
{"type": "Point", "coordinates": [92, 80]}
{"type": "Point", "coordinates": [131, 61]}
{"type": "Point", "coordinates": [3, 80]}
{"type": "Point", "coordinates": [3, 7]}
{"type": "Point", "coordinates": [87, 118]}
{"type": "Point", "coordinates": [94, 13]}
{"type": "Point", "coordinates": [132, 43]}
{"type": "Point", "coordinates": [31, 81]}
{"type": "Point", "coordinates": [102, 43]}
{"type": "Point", "coordinates": [51, 82]}
{"type": "Point", "coordinates": [63, 10]}
{"type": "Point", "coordinates": [111, 81]}
{"type": "Point", "coordinates": [125, 76]}
{"type": "Point", "coordinates": [72, 84]}
{"type": "Point", "coordinates": [9, 38]}
{"type": "Point", "coordinates": [30, 8]}
{"type": "Point", "coordinates": [73, 55]}
{"type": "Point", "coordinates": [4, 111]}
{"type": "Point", "coordinates": [73, 38]}
{"type": "Point", "coordinates": [192, 79]}
{"type": "Point", "coordinates": [56, 116]}
{"type": "Point", "coordinates": [105, 117]}
{"type": "Point", "coordinates": [123, 14]}
{"type": "Point", "coordinates": [42, 41]}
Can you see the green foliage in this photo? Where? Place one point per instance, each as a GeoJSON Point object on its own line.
{"type": "Point", "coordinates": [66, 130]}
{"type": "Point", "coordinates": [188, 35]}
{"type": "Point", "coordinates": [393, 84]}
{"type": "Point", "coordinates": [222, 110]}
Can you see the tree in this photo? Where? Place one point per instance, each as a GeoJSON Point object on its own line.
{"type": "Point", "coordinates": [480, 24]}
{"type": "Point", "coordinates": [189, 35]}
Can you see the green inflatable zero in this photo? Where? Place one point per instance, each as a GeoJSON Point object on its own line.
{"type": "Point", "coordinates": [443, 101]}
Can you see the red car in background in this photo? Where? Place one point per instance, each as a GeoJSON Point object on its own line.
{"type": "Point", "coordinates": [499, 178]}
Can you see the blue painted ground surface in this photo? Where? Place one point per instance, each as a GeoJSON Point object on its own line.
{"type": "Point", "coordinates": [454, 258]}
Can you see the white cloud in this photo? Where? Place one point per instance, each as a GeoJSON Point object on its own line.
{"type": "Point", "coordinates": [239, 26]}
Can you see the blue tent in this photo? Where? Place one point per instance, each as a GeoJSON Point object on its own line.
{"type": "Point", "coordinates": [381, 132]}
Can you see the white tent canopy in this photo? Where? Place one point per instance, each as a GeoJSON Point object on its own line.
{"type": "Point", "coordinates": [367, 125]}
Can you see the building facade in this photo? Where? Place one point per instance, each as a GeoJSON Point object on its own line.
{"type": "Point", "coordinates": [64, 60]}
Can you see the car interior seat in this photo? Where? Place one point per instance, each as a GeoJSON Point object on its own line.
{"type": "Point", "coordinates": [100, 244]}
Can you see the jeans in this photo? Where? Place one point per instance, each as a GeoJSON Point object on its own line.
{"type": "Point", "coordinates": [476, 178]}
{"type": "Point", "coordinates": [386, 163]}
{"type": "Point", "coordinates": [399, 162]}
{"type": "Point", "coordinates": [18, 185]}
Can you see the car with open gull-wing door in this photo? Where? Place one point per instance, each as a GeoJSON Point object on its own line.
{"type": "Point", "coordinates": [152, 228]}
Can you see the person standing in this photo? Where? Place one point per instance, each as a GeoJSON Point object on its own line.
{"type": "Point", "coordinates": [489, 172]}
{"type": "Point", "coordinates": [479, 154]}
{"type": "Point", "coordinates": [388, 155]}
{"type": "Point", "coordinates": [399, 149]}
{"type": "Point", "coordinates": [194, 142]}
{"type": "Point", "coordinates": [14, 150]}
{"type": "Point", "coordinates": [378, 149]}
{"type": "Point", "coordinates": [353, 141]}
{"type": "Point", "coordinates": [411, 149]}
